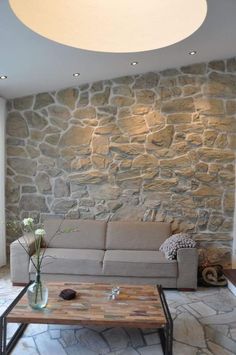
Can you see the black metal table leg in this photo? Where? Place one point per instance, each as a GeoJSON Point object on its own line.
{"type": "Point", "coordinates": [4, 331]}
{"type": "Point", "coordinates": [5, 348]}
{"type": "Point", "coordinates": [166, 333]}
{"type": "Point", "coordinates": [1, 335]}
{"type": "Point", "coordinates": [12, 343]}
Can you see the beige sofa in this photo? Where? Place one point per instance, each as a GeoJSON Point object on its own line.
{"type": "Point", "coordinates": [117, 252]}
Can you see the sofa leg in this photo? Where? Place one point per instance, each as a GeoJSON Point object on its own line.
{"type": "Point", "coordinates": [21, 284]}
{"type": "Point", "coordinates": [182, 289]}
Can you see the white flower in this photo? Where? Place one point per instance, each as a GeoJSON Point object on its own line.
{"type": "Point", "coordinates": [28, 221]}
{"type": "Point", "coordinates": [40, 232]}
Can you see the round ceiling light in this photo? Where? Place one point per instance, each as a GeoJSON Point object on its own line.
{"type": "Point", "coordinates": [192, 52]}
{"type": "Point", "coordinates": [112, 26]}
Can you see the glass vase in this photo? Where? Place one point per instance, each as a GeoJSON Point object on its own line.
{"type": "Point", "coordinates": [37, 293]}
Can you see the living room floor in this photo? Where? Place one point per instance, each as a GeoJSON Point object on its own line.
{"type": "Point", "coordinates": [204, 323]}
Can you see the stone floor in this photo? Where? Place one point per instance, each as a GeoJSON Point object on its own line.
{"type": "Point", "coordinates": [204, 324]}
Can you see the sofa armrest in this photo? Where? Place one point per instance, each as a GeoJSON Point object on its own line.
{"type": "Point", "coordinates": [187, 259]}
{"type": "Point", "coordinates": [19, 259]}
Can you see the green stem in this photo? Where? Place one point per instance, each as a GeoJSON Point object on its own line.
{"type": "Point", "coordinates": [36, 294]}
{"type": "Point", "coordinates": [41, 290]}
{"type": "Point", "coordinates": [38, 287]}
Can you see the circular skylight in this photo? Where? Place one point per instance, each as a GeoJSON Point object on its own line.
{"type": "Point", "coordinates": [112, 26]}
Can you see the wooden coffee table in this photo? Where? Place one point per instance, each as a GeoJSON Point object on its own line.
{"type": "Point", "coordinates": [137, 306]}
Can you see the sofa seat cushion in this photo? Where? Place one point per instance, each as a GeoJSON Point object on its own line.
{"type": "Point", "coordinates": [138, 263]}
{"type": "Point", "coordinates": [71, 261]}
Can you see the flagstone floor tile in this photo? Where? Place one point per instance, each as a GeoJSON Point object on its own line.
{"type": "Point", "coordinates": [204, 324]}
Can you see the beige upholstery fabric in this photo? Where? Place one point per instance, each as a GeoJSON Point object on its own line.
{"type": "Point", "coordinates": [133, 256]}
{"type": "Point", "coordinates": [187, 259]}
{"type": "Point", "coordinates": [19, 259]}
{"type": "Point", "coordinates": [72, 261]}
{"type": "Point", "coordinates": [167, 282]}
{"type": "Point", "coordinates": [138, 263]}
{"type": "Point", "coordinates": [136, 235]}
{"type": "Point", "coordinates": [80, 234]}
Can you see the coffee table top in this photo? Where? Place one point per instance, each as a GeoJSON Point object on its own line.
{"type": "Point", "coordinates": [136, 306]}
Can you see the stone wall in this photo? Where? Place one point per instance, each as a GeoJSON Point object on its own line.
{"type": "Point", "coordinates": [156, 146]}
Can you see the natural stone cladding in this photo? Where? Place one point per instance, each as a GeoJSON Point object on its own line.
{"type": "Point", "coordinates": [154, 146]}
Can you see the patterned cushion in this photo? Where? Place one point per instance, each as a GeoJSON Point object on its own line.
{"type": "Point", "coordinates": [175, 242]}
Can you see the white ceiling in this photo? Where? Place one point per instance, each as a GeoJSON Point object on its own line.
{"type": "Point", "coordinates": [34, 64]}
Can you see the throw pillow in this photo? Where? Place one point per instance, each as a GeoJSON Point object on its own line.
{"type": "Point", "coordinates": [175, 242]}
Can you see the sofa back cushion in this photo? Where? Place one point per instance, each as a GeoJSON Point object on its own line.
{"type": "Point", "coordinates": [75, 233]}
{"type": "Point", "coordinates": [136, 235]}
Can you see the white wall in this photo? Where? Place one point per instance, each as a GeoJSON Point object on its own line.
{"type": "Point", "coordinates": [2, 182]}
{"type": "Point", "coordinates": [234, 231]}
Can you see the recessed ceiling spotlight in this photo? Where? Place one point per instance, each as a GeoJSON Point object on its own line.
{"type": "Point", "coordinates": [3, 77]}
{"type": "Point", "coordinates": [76, 75]}
{"type": "Point", "coordinates": [133, 63]}
{"type": "Point", "coordinates": [192, 52]}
